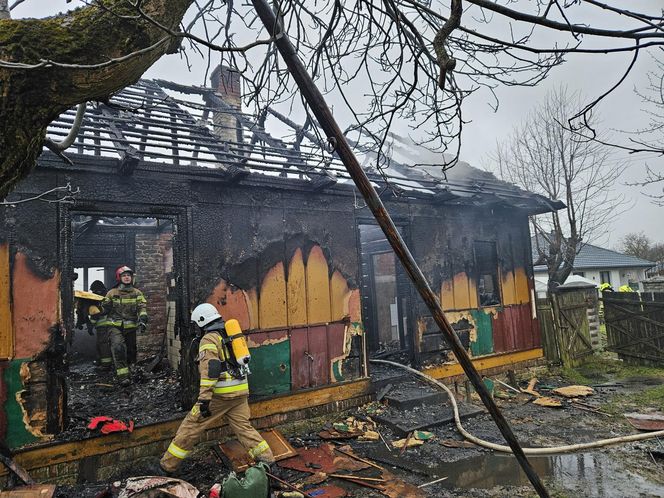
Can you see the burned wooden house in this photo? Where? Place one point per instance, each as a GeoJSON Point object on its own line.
{"type": "Point", "coordinates": [208, 206]}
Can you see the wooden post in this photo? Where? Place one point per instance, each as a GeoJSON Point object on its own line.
{"type": "Point", "coordinates": [337, 139]}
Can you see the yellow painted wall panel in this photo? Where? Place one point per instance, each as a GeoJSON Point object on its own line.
{"type": "Point", "coordinates": [447, 295]}
{"type": "Point", "coordinates": [318, 287]}
{"type": "Point", "coordinates": [339, 296]}
{"type": "Point", "coordinates": [465, 295]}
{"type": "Point", "coordinates": [472, 293]}
{"type": "Point", "coordinates": [252, 300]}
{"type": "Point", "coordinates": [272, 302]}
{"type": "Point", "coordinates": [508, 288]}
{"type": "Point", "coordinates": [457, 316]}
{"type": "Point", "coordinates": [521, 285]}
{"type": "Point", "coordinates": [6, 329]}
{"type": "Point", "coordinates": [297, 292]}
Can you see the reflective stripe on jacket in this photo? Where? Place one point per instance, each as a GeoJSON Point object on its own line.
{"type": "Point", "coordinates": [211, 348]}
{"type": "Point", "coordinates": [123, 308]}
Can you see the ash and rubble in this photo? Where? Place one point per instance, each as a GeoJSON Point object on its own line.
{"type": "Point", "coordinates": [153, 396]}
{"type": "Point", "coordinates": [625, 470]}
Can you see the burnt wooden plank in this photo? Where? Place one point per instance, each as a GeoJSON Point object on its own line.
{"type": "Point", "coordinates": [318, 356]}
{"type": "Point", "coordinates": [300, 378]}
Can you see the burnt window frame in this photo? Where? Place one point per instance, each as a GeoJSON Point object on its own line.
{"type": "Point", "coordinates": [487, 269]}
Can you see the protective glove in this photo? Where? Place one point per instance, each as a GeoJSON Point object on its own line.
{"type": "Point", "coordinates": [90, 329]}
{"type": "Point", "coordinates": [204, 405]}
{"type": "Point", "coordinates": [142, 327]}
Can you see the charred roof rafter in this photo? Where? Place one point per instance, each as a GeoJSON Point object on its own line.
{"type": "Point", "coordinates": [129, 156]}
{"type": "Point", "coordinates": [155, 126]}
{"type": "Point", "coordinates": [259, 134]}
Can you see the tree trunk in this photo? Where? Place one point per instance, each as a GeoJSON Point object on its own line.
{"type": "Point", "coordinates": [4, 9]}
{"type": "Point", "coordinates": [30, 98]}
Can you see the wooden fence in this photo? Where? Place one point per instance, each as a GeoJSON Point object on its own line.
{"type": "Point", "coordinates": [564, 325]}
{"type": "Point", "coordinates": [635, 326]}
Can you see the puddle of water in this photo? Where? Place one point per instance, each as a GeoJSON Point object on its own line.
{"type": "Point", "coordinates": [594, 475]}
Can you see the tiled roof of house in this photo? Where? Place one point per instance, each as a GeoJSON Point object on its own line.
{"type": "Point", "coordinates": [594, 257]}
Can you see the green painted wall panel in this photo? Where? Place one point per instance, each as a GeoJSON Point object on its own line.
{"type": "Point", "coordinates": [270, 369]}
{"type": "Point", "coordinates": [17, 434]}
{"type": "Point", "coordinates": [336, 371]}
{"type": "Point", "coordinates": [484, 343]}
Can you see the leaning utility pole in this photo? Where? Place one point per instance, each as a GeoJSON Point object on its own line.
{"type": "Point", "coordinates": [338, 141]}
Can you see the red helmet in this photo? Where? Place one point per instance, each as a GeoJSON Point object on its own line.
{"type": "Point", "coordinates": [121, 270]}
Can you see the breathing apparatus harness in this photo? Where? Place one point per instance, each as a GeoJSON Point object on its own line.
{"type": "Point", "coordinates": [234, 344]}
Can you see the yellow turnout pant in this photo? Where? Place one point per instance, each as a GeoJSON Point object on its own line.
{"type": "Point", "coordinates": [236, 411]}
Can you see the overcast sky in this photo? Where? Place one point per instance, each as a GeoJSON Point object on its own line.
{"type": "Point", "coordinates": [589, 74]}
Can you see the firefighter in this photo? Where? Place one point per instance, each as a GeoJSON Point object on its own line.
{"type": "Point", "coordinates": [223, 393]}
{"type": "Point", "coordinates": [95, 314]}
{"type": "Point", "coordinates": [125, 310]}
{"type": "Point", "coordinates": [605, 287]}
{"type": "Point", "coordinates": [104, 355]}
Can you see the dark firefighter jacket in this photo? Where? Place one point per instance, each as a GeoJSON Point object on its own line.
{"type": "Point", "coordinates": [123, 308]}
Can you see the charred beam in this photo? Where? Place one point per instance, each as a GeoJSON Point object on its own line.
{"type": "Point", "coordinates": [234, 171]}
{"type": "Point", "coordinates": [129, 156]}
{"type": "Point", "coordinates": [444, 195]}
{"type": "Point", "coordinates": [321, 182]}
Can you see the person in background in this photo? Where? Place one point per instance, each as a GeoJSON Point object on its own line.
{"type": "Point", "coordinates": [124, 311]}
{"type": "Point", "coordinates": [104, 356]}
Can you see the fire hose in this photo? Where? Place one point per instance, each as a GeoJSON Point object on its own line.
{"type": "Point", "coordinates": [528, 451]}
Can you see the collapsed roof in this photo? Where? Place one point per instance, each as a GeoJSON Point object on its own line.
{"type": "Point", "coordinates": [155, 123]}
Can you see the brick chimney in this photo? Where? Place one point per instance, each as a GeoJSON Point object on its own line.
{"type": "Point", "coordinates": [226, 82]}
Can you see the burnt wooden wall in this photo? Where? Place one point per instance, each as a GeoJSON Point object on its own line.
{"type": "Point", "coordinates": [280, 257]}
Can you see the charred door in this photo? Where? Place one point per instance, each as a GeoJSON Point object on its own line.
{"type": "Point", "coordinates": [386, 294]}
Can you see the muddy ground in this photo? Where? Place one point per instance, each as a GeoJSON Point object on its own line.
{"type": "Point", "coordinates": [634, 469]}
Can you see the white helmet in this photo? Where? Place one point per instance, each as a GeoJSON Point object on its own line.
{"type": "Point", "coordinates": [204, 314]}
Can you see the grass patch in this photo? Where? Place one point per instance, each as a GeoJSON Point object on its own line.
{"type": "Point", "coordinates": [611, 367]}
{"type": "Point", "coordinates": [604, 367]}
{"type": "Point", "coordinates": [652, 397]}
{"type": "Point", "coordinates": [574, 376]}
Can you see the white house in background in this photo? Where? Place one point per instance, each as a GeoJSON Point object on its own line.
{"type": "Point", "coordinates": [599, 266]}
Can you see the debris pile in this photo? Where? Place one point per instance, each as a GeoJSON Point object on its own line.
{"type": "Point", "coordinates": [93, 392]}
{"type": "Point", "coordinates": [559, 396]}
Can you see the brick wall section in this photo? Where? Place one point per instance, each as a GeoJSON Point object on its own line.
{"type": "Point", "coordinates": [152, 254]}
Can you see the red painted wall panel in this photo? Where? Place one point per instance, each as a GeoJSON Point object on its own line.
{"type": "Point", "coordinates": [319, 365]}
{"type": "Point", "coordinates": [336, 339]}
{"type": "Point", "coordinates": [35, 303]}
{"type": "Point", "coordinates": [515, 330]}
{"type": "Point", "coordinates": [312, 352]}
{"type": "Point", "coordinates": [299, 360]}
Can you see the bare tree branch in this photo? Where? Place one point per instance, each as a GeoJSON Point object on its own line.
{"type": "Point", "coordinates": [543, 156]}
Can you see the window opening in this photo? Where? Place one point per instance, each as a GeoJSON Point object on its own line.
{"type": "Point", "coordinates": [486, 264]}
